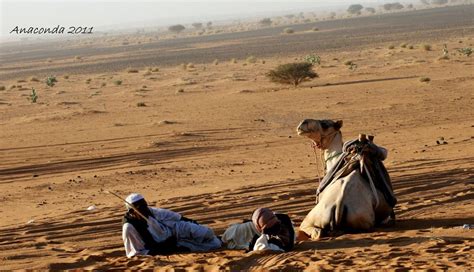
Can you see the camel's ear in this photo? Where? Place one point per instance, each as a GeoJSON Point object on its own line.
{"type": "Point", "coordinates": [338, 125]}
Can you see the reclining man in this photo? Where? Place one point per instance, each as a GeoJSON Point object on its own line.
{"type": "Point", "coordinates": [266, 231]}
{"type": "Point", "coordinates": [163, 231]}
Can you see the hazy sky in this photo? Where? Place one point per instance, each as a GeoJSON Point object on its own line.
{"type": "Point", "coordinates": [38, 13]}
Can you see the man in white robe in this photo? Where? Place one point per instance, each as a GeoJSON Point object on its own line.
{"type": "Point", "coordinates": [163, 232]}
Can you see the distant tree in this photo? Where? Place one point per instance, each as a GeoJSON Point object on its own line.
{"type": "Point", "coordinates": [392, 6]}
{"type": "Point", "coordinates": [370, 10]}
{"type": "Point", "coordinates": [197, 25]}
{"type": "Point", "coordinates": [209, 24]}
{"type": "Point", "coordinates": [409, 6]}
{"type": "Point", "coordinates": [332, 15]}
{"type": "Point", "coordinates": [355, 9]}
{"type": "Point", "coordinates": [290, 16]}
{"type": "Point", "coordinates": [425, 2]}
{"type": "Point", "coordinates": [439, 2]}
{"type": "Point", "coordinates": [265, 22]}
{"type": "Point", "coordinates": [176, 28]}
{"type": "Point", "coordinates": [292, 73]}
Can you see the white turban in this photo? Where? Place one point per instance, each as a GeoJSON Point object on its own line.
{"type": "Point", "coordinates": [132, 198]}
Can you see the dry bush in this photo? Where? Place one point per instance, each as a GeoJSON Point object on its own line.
{"type": "Point", "coordinates": [131, 70]}
{"type": "Point", "coordinates": [315, 29]}
{"type": "Point", "coordinates": [288, 30]}
{"type": "Point", "coordinates": [215, 62]}
{"type": "Point", "coordinates": [34, 79]}
{"type": "Point", "coordinates": [66, 76]}
{"type": "Point", "coordinates": [233, 60]}
{"type": "Point", "coordinates": [118, 82]}
{"type": "Point", "coordinates": [355, 9]}
{"type": "Point", "coordinates": [391, 47]}
{"type": "Point", "coordinates": [411, 47]}
{"type": "Point", "coordinates": [265, 22]}
{"type": "Point", "coordinates": [176, 28]}
{"type": "Point", "coordinates": [251, 59]}
{"type": "Point", "coordinates": [403, 45]}
{"type": "Point", "coordinates": [393, 6]}
{"type": "Point", "coordinates": [190, 65]}
{"type": "Point", "coordinates": [141, 104]}
{"type": "Point", "coordinates": [427, 47]}
{"type": "Point", "coordinates": [425, 79]}
{"type": "Point", "coordinates": [292, 73]}
{"type": "Point", "coordinates": [2, 88]}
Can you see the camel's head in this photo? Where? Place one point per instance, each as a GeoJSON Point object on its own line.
{"type": "Point", "coordinates": [319, 131]}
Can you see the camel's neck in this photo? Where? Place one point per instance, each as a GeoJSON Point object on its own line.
{"type": "Point", "coordinates": [333, 152]}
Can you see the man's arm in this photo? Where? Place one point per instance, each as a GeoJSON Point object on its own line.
{"type": "Point", "coordinates": [132, 241]}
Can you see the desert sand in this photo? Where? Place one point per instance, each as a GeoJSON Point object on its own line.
{"type": "Point", "coordinates": [215, 141]}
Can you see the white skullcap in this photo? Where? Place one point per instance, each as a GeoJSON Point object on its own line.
{"type": "Point", "coordinates": [132, 198]}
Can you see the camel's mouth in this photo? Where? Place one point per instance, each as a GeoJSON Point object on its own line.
{"type": "Point", "coordinates": [301, 132]}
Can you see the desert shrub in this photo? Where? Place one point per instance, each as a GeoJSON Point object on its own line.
{"type": "Point", "coordinates": [51, 81]}
{"type": "Point", "coordinates": [251, 59]}
{"type": "Point", "coordinates": [411, 47]}
{"type": "Point", "coordinates": [465, 51]}
{"type": "Point", "coordinates": [391, 47]}
{"type": "Point", "coordinates": [2, 88]}
{"type": "Point", "coordinates": [392, 6]}
{"type": "Point", "coordinates": [66, 77]}
{"type": "Point", "coordinates": [403, 45]}
{"type": "Point", "coordinates": [292, 73]}
{"type": "Point", "coordinates": [78, 57]}
{"type": "Point", "coordinates": [190, 65]}
{"type": "Point", "coordinates": [288, 30]}
{"type": "Point", "coordinates": [34, 79]}
{"type": "Point", "coordinates": [118, 82]}
{"type": "Point", "coordinates": [33, 96]}
{"type": "Point", "coordinates": [215, 62]}
{"type": "Point", "coordinates": [315, 29]}
{"type": "Point", "coordinates": [176, 28]}
{"type": "Point", "coordinates": [103, 84]}
{"type": "Point", "coordinates": [233, 60]}
{"type": "Point", "coordinates": [427, 47]}
{"type": "Point", "coordinates": [313, 59]}
{"type": "Point", "coordinates": [197, 25]}
{"type": "Point", "coordinates": [265, 22]}
{"type": "Point", "coordinates": [180, 91]}
{"type": "Point", "coordinates": [370, 10]}
{"type": "Point", "coordinates": [141, 104]}
{"type": "Point", "coordinates": [351, 65]}
{"type": "Point", "coordinates": [354, 9]}
{"type": "Point", "coordinates": [88, 80]}
{"type": "Point", "coordinates": [147, 73]}
{"type": "Point", "coordinates": [132, 71]}
{"type": "Point", "coordinates": [425, 79]}
{"type": "Point", "coordinates": [156, 69]}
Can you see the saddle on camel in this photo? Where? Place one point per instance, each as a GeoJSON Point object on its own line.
{"type": "Point", "coordinates": [356, 192]}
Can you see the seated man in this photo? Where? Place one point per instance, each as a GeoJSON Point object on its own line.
{"type": "Point", "coordinates": [266, 231]}
{"type": "Point", "coordinates": [163, 231]}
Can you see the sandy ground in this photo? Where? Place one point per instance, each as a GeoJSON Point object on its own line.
{"type": "Point", "coordinates": [214, 142]}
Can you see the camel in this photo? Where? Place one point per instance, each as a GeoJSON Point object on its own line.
{"type": "Point", "coordinates": [349, 202]}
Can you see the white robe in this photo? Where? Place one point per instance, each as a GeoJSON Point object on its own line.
{"type": "Point", "coordinates": [189, 235]}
